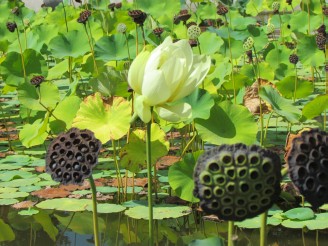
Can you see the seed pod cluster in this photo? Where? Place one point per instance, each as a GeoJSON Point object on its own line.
{"type": "Point", "coordinates": [84, 16]}
{"type": "Point", "coordinates": [236, 182]}
{"type": "Point", "coordinates": [72, 155]}
{"type": "Point", "coordinates": [11, 26]}
{"type": "Point", "coordinates": [37, 80]}
{"type": "Point", "coordinates": [321, 37]}
{"type": "Point", "coordinates": [138, 16]}
{"type": "Point", "coordinates": [293, 59]}
{"type": "Point", "coordinates": [308, 165]}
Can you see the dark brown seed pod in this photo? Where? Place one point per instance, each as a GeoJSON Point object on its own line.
{"type": "Point", "coordinates": [118, 5]}
{"type": "Point", "coordinates": [308, 165]}
{"type": "Point", "coordinates": [11, 26]}
{"type": "Point", "coordinates": [84, 16]}
{"type": "Point", "coordinates": [138, 16]}
{"type": "Point", "coordinates": [191, 23]}
{"type": "Point", "coordinates": [37, 80]}
{"type": "Point", "coordinates": [290, 45]}
{"type": "Point", "coordinates": [184, 15]}
{"type": "Point", "coordinates": [158, 31]}
{"type": "Point", "coordinates": [72, 155]}
{"type": "Point", "coordinates": [249, 54]}
{"type": "Point", "coordinates": [78, 1]}
{"type": "Point", "coordinates": [15, 11]}
{"type": "Point", "coordinates": [289, 2]}
{"type": "Point", "coordinates": [325, 10]}
{"type": "Point", "coordinates": [193, 42]}
{"type": "Point", "coordinates": [236, 182]}
{"type": "Point", "coordinates": [111, 6]}
{"type": "Point", "coordinates": [221, 9]}
{"type": "Point", "coordinates": [293, 58]}
{"type": "Point", "coordinates": [322, 29]}
{"type": "Point", "coordinates": [321, 41]}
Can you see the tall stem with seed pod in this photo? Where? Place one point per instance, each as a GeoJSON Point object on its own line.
{"type": "Point", "coordinates": [94, 211]}
{"type": "Point", "coordinates": [22, 56]}
{"type": "Point", "coordinates": [91, 48]}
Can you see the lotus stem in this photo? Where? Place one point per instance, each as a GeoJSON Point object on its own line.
{"type": "Point", "coordinates": [22, 57]}
{"type": "Point", "coordinates": [295, 87]}
{"type": "Point", "coordinates": [70, 68]}
{"type": "Point", "coordinates": [263, 230]}
{"type": "Point", "coordinates": [143, 35]}
{"type": "Point", "coordinates": [65, 15]}
{"type": "Point", "coordinates": [281, 32]}
{"type": "Point", "coordinates": [150, 185]}
{"type": "Point", "coordinates": [230, 232]}
{"type": "Point", "coordinates": [284, 171]}
{"type": "Point", "coordinates": [91, 49]}
{"type": "Point", "coordinates": [94, 211]}
{"type": "Point", "coordinates": [127, 45]}
{"type": "Point", "coordinates": [118, 173]}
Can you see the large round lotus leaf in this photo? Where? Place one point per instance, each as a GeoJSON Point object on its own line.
{"type": "Point", "coordinates": [13, 195]}
{"type": "Point", "coordinates": [73, 44]}
{"type": "Point", "coordinates": [181, 177]}
{"type": "Point", "coordinates": [135, 203]}
{"type": "Point", "coordinates": [8, 201]}
{"type": "Point", "coordinates": [255, 222]}
{"type": "Point", "coordinates": [28, 212]}
{"type": "Point", "coordinates": [300, 19]}
{"type": "Point", "coordinates": [308, 52]}
{"type": "Point", "coordinates": [319, 222]}
{"type": "Point", "coordinates": [21, 160]}
{"type": "Point", "coordinates": [34, 134]}
{"type": "Point", "coordinates": [12, 71]}
{"type": "Point", "coordinates": [29, 188]}
{"type": "Point", "coordinates": [134, 152]}
{"type": "Point", "coordinates": [163, 211]}
{"type": "Point", "coordinates": [228, 124]}
{"type": "Point", "coordinates": [19, 182]}
{"type": "Point", "coordinates": [107, 120]}
{"type": "Point", "coordinates": [277, 56]}
{"type": "Point", "coordinates": [299, 214]}
{"type": "Point", "coordinates": [7, 189]}
{"type": "Point", "coordinates": [29, 97]}
{"type": "Point", "coordinates": [9, 175]}
{"type": "Point", "coordinates": [210, 241]}
{"type": "Point", "coordinates": [65, 204]}
{"type": "Point", "coordinates": [107, 208]}
{"type": "Point", "coordinates": [280, 105]}
{"type": "Point", "coordinates": [7, 234]}
{"type": "Point", "coordinates": [201, 103]}
{"type": "Point", "coordinates": [206, 11]}
{"type": "Point", "coordinates": [156, 7]}
{"type": "Point", "coordinates": [81, 223]}
{"type": "Point", "coordinates": [287, 87]}
{"type": "Point", "coordinates": [114, 48]}
{"type": "Point", "coordinates": [315, 107]}
{"type": "Point", "coordinates": [43, 218]}
{"type": "Point", "coordinates": [209, 43]}
{"type": "Point", "coordinates": [9, 167]}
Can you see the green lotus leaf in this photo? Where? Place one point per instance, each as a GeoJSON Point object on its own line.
{"type": "Point", "coordinates": [277, 56]}
{"type": "Point", "coordinates": [299, 22]}
{"type": "Point", "coordinates": [134, 153]}
{"type": "Point", "coordinates": [210, 43]}
{"type": "Point", "coordinates": [239, 22]}
{"type": "Point", "coordinates": [308, 52]}
{"type": "Point", "coordinates": [12, 71]}
{"type": "Point", "coordinates": [287, 87]}
{"type": "Point", "coordinates": [181, 177]}
{"type": "Point", "coordinates": [8, 201]}
{"type": "Point", "coordinates": [162, 211]}
{"type": "Point", "coordinates": [107, 121]}
{"type": "Point", "coordinates": [114, 48]}
{"type": "Point", "coordinates": [107, 208]}
{"type": "Point", "coordinates": [29, 188]}
{"type": "Point", "coordinates": [201, 103]}
{"type": "Point", "coordinates": [57, 16]}
{"type": "Point", "coordinates": [280, 105]}
{"type": "Point", "coordinates": [72, 44]}
{"type": "Point", "coordinates": [21, 160]}
{"type": "Point", "coordinates": [34, 134]}
{"type": "Point", "coordinates": [7, 234]}
{"type": "Point", "coordinates": [319, 223]}
{"type": "Point", "coordinates": [228, 124]}
{"type": "Point", "coordinates": [259, 37]}
{"type": "Point", "coordinates": [9, 175]}
{"type": "Point", "coordinates": [82, 223]}
{"type": "Point", "coordinates": [64, 113]}
{"type": "Point", "coordinates": [45, 221]}
{"type": "Point", "coordinates": [299, 214]}
{"type": "Point", "coordinates": [210, 241]}
{"type": "Point", "coordinates": [156, 7]}
{"type": "Point", "coordinates": [315, 107]}
{"type": "Point", "coordinates": [7, 189]}
{"type": "Point", "coordinates": [65, 204]}
{"type": "Point", "coordinates": [255, 222]}
{"type": "Point", "coordinates": [135, 203]}
{"type": "Point", "coordinates": [9, 167]}
{"type": "Point", "coordinates": [206, 11]}
{"type": "Point", "coordinates": [57, 71]}
{"type": "Point", "coordinates": [33, 41]}
{"type": "Point", "coordinates": [19, 182]}
{"type": "Point", "coordinates": [28, 212]}
{"type": "Point", "coordinates": [222, 69]}
{"type": "Point", "coordinates": [254, 7]}
{"type": "Point", "coordinates": [29, 96]}
{"type": "Point", "coordinates": [13, 195]}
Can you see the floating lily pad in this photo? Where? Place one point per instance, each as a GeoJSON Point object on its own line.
{"type": "Point", "coordinates": [7, 189]}
{"type": "Point", "coordinates": [107, 208]}
{"type": "Point", "coordinates": [135, 203]}
{"type": "Point", "coordinates": [319, 222]}
{"type": "Point", "coordinates": [13, 195]}
{"type": "Point", "coordinates": [65, 204]}
{"type": "Point", "coordinates": [163, 211]}
{"type": "Point", "coordinates": [8, 201]}
{"type": "Point", "coordinates": [28, 212]}
{"type": "Point", "coordinates": [19, 182]}
{"type": "Point", "coordinates": [255, 222]}
{"type": "Point", "coordinates": [299, 214]}
{"type": "Point", "coordinates": [315, 107]}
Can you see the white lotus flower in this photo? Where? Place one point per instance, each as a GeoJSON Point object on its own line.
{"type": "Point", "coordinates": [160, 78]}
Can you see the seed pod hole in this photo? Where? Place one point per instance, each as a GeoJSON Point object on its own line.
{"type": "Point", "coordinates": [231, 172]}
{"type": "Point", "coordinates": [319, 138]}
{"type": "Point", "coordinates": [219, 179]}
{"type": "Point", "coordinates": [59, 172]}
{"type": "Point", "coordinates": [313, 167]}
{"type": "Point", "coordinates": [231, 188]}
{"type": "Point", "coordinates": [321, 192]}
{"type": "Point", "coordinates": [62, 139]}
{"type": "Point", "coordinates": [323, 151]}
{"type": "Point", "coordinates": [68, 145]}
{"type": "Point", "coordinates": [56, 146]}
{"type": "Point", "coordinates": [254, 159]}
{"type": "Point", "coordinates": [301, 159]}
{"type": "Point", "coordinates": [305, 148]}
{"type": "Point", "coordinates": [79, 157]}
{"type": "Point", "coordinates": [214, 167]}
{"type": "Point", "coordinates": [93, 146]}
{"type": "Point", "coordinates": [76, 166]}
{"type": "Point", "coordinates": [54, 156]}
{"type": "Point", "coordinates": [324, 163]}
{"type": "Point", "coordinates": [265, 201]}
{"type": "Point", "coordinates": [227, 211]}
{"type": "Point", "coordinates": [240, 202]}
{"type": "Point", "coordinates": [270, 180]}
{"type": "Point", "coordinates": [76, 141]}
{"type": "Point", "coordinates": [207, 192]}
{"type": "Point", "coordinates": [85, 136]}
{"type": "Point", "coordinates": [322, 177]}
{"type": "Point", "coordinates": [254, 174]}
{"type": "Point", "coordinates": [62, 162]}
{"type": "Point", "coordinates": [312, 141]}
{"type": "Point", "coordinates": [258, 186]}
{"type": "Point", "coordinates": [70, 155]}
{"type": "Point", "coordinates": [227, 201]}
{"type": "Point", "coordinates": [309, 183]}
{"type": "Point", "coordinates": [214, 205]}
{"type": "Point", "coordinates": [68, 167]}
{"type": "Point", "coordinates": [77, 177]}
{"type": "Point", "coordinates": [314, 154]}
{"type": "Point", "coordinates": [254, 197]}
{"type": "Point", "coordinates": [226, 159]}
{"type": "Point", "coordinates": [242, 172]}
{"type": "Point", "coordinates": [67, 177]}
{"type": "Point", "coordinates": [90, 159]}
{"type": "Point", "coordinates": [240, 212]}
{"type": "Point", "coordinates": [85, 169]}
{"type": "Point", "coordinates": [218, 192]}
{"type": "Point", "coordinates": [72, 135]}
{"type": "Point", "coordinates": [241, 159]}
{"type": "Point", "coordinates": [53, 166]}
{"type": "Point", "coordinates": [83, 148]}
{"type": "Point", "coordinates": [206, 178]}
{"type": "Point", "coordinates": [269, 191]}
{"type": "Point", "coordinates": [301, 172]}
{"type": "Point", "coordinates": [253, 207]}
{"type": "Point", "coordinates": [62, 151]}
{"type": "Point", "coordinates": [244, 187]}
{"type": "Point", "coordinates": [267, 166]}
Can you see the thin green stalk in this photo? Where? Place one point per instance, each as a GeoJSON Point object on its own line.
{"type": "Point", "coordinates": [317, 237]}
{"type": "Point", "coordinates": [25, 36]}
{"type": "Point", "coordinates": [308, 11]}
{"type": "Point", "coordinates": [267, 126]}
{"type": "Point", "coordinates": [303, 237]}
{"type": "Point", "coordinates": [70, 69]}
{"type": "Point", "coordinates": [143, 35]}
{"type": "Point", "coordinates": [263, 232]}
{"type": "Point", "coordinates": [150, 185]}
{"type": "Point", "coordinates": [284, 171]}
{"type": "Point", "coordinates": [127, 45]}
{"type": "Point", "coordinates": [230, 232]}
{"type": "Point", "coordinates": [94, 211]}
{"type": "Point", "coordinates": [118, 172]}
{"type": "Point", "coordinates": [65, 15]}
{"type": "Point", "coordinates": [21, 51]}
{"type": "Point", "coordinates": [281, 31]}
{"type": "Point", "coordinates": [295, 87]}
{"type": "Point", "coordinates": [92, 50]}
{"type": "Point", "coordinates": [137, 39]}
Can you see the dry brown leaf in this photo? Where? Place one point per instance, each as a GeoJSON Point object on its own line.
{"type": "Point", "coordinates": [51, 193]}
{"type": "Point", "coordinates": [166, 161]}
{"type": "Point", "coordinates": [129, 182]}
{"type": "Point", "coordinates": [23, 205]}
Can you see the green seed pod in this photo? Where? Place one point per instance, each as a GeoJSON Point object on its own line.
{"type": "Point", "coordinates": [226, 158]}
{"type": "Point", "coordinates": [254, 173]}
{"type": "Point", "coordinates": [214, 205]}
{"type": "Point", "coordinates": [219, 179]}
{"type": "Point", "coordinates": [121, 27]}
{"type": "Point", "coordinates": [266, 165]}
{"type": "Point", "coordinates": [206, 192]}
{"type": "Point", "coordinates": [226, 200]}
{"type": "Point", "coordinates": [213, 167]}
{"type": "Point", "coordinates": [230, 172]}
{"type": "Point", "coordinates": [248, 44]}
{"type": "Point", "coordinates": [240, 158]}
{"type": "Point", "coordinates": [231, 187]}
{"type": "Point", "coordinates": [270, 28]}
{"type": "Point", "coordinates": [244, 187]}
{"type": "Point", "coordinates": [218, 192]}
{"type": "Point", "coordinates": [242, 172]}
{"type": "Point", "coordinates": [206, 178]}
{"type": "Point", "coordinates": [193, 32]}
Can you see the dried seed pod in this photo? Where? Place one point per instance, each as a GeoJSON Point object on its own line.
{"type": "Point", "coordinates": [184, 15]}
{"type": "Point", "coordinates": [193, 32]}
{"type": "Point", "coordinates": [15, 11]}
{"type": "Point", "coordinates": [289, 2]}
{"type": "Point", "coordinates": [193, 42]}
{"type": "Point", "coordinates": [37, 80]}
{"type": "Point", "coordinates": [249, 54]}
{"type": "Point", "coordinates": [118, 5]}
{"type": "Point", "coordinates": [236, 182]}
{"type": "Point", "coordinates": [11, 26]}
{"type": "Point", "coordinates": [138, 16]}
{"type": "Point", "coordinates": [84, 16]}
{"type": "Point", "coordinates": [321, 41]}
{"type": "Point", "coordinates": [308, 165]}
{"type": "Point", "coordinates": [111, 6]}
{"type": "Point", "coordinates": [221, 9]}
{"type": "Point", "coordinates": [72, 155]}
{"type": "Point", "coordinates": [293, 58]}
{"type": "Point", "coordinates": [158, 31]}
{"type": "Point", "coordinates": [322, 29]}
